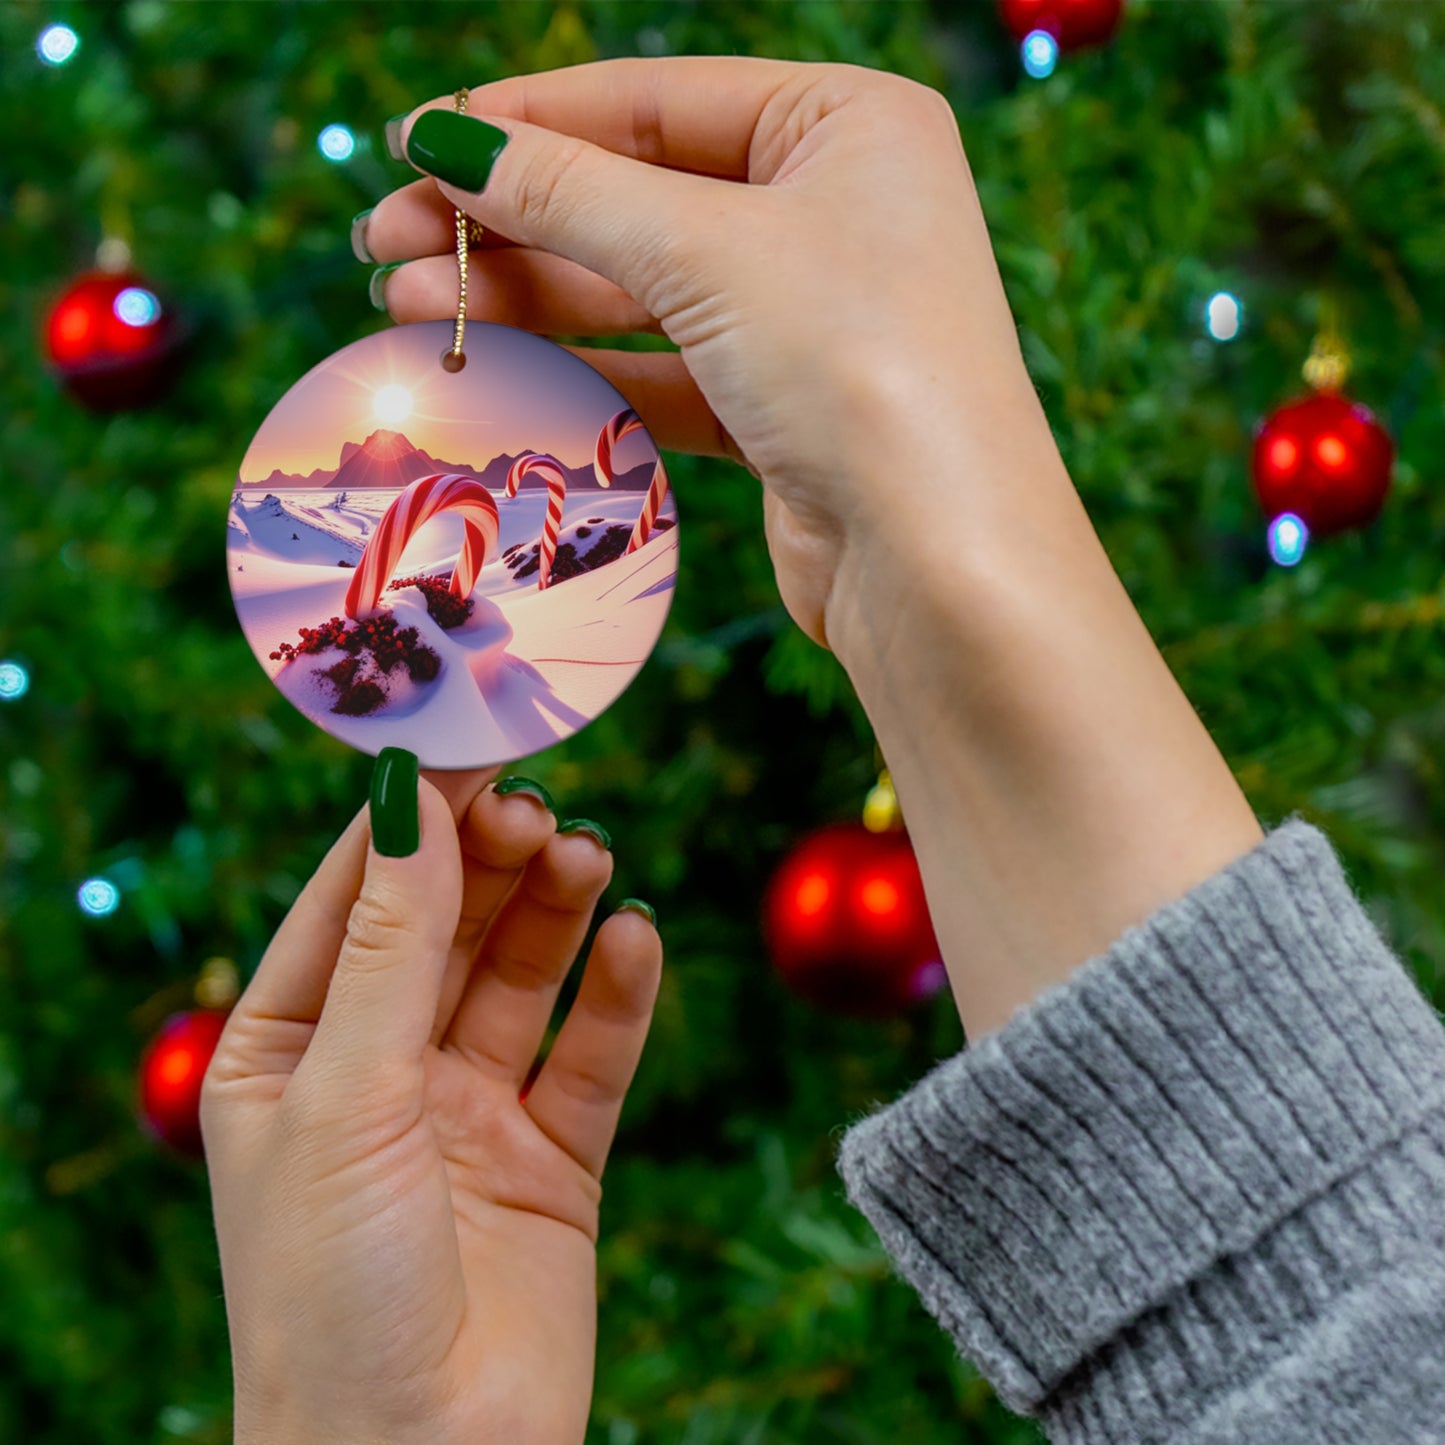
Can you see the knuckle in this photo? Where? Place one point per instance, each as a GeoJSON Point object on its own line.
{"type": "Point", "coordinates": [923, 100]}
{"type": "Point", "coordinates": [374, 933]}
{"type": "Point", "coordinates": [850, 76]}
{"type": "Point", "coordinates": [521, 970]}
{"type": "Point", "coordinates": [541, 188]}
{"type": "Point", "coordinates": [648, 140]}
{"type": "Point", "coordinates": [587, 1085]}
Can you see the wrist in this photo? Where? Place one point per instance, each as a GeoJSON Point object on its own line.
{"type": "Point", "coordinates": [1057, 784]}
{"type": "Point", "coordinates": [945, 528]}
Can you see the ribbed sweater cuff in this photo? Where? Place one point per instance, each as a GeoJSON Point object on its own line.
{"type": "Point", "coordinates": [1142, 1165]}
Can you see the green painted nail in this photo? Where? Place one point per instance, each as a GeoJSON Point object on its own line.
{"type": "Point", "coordinates": [455, 148]}
{"type": "Point", "coordinates": [636, 905]}
{"type": "Point", "coordinates": [376, 287]}
{"type": "Point", "coordinates": [395, 824]}
{"type": "Point", "coordinates": [528, 786]}
{"type": "Point", "coordinates": [586, 825]}
{"type": "Point", "coordinates": [358, 236]}
{"type": "Point", "coordinates": [392, 131]}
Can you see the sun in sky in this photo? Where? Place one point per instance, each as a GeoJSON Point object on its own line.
{"type": "Point", "coordinates": [518, 392]}
{"type": "Point", "coordinates": [391, 403]}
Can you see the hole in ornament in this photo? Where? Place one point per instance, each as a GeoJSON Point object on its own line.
{"type": "Point", "coordinates": [453, 360]}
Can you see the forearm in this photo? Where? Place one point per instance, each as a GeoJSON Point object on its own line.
{"type": "Point", "coordinates": [1056, 782]}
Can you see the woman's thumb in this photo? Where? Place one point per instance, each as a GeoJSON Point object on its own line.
{"type": "Point", "coordinates": [623, 219]}
{"type": "Point", "coordinates": [382, 999]}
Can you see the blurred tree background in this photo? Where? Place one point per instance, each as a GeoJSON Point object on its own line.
{"type": "Point", "coordinates": [1288, 153]}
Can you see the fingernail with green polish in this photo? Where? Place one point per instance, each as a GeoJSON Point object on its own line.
{"type": "Point", "coordinates": [376, 287]}
{"type": "Point", "coordinates": [529, 787]}
{"type": "Point", "coordinates": [636, 905]}
{"type": "Point", "coordinates": [586, 825]}
{"type": "Point", "coordinates": [358, 236]}
{"type": "Point", "coordinates": [392, 131]}
{"type": "Point", "coordinates": [455, 148]}
{"type": "Point", "coordinates": [395, 821]}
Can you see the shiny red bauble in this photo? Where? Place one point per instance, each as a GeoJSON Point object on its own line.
{"type": "Point", "coordinates": [847, 923]}
{"type": "Point", "coordinates": [1073, 23]}
{"type": "Point", "coordinates": [1324, 458]}
{"type": "Point", "coordinates": [112, 341]}
{"type": "Point", "coordinates": [171, 1071]}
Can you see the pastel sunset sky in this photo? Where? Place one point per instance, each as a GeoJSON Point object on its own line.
{"type": "Point", "coordinates": [516, 391]}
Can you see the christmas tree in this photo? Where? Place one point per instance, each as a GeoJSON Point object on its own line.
{"type": "Point", "coordinates": [1283, 161]}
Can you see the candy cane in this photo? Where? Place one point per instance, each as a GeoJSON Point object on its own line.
{"type": "Point", "coordinates": [650, 508]}
{"type": "Point", "coordinates": [624, 422]}
{"type": "Point", "coordinates": [422, 500]}
{"type": "Point", "coordinates": [550, 468]}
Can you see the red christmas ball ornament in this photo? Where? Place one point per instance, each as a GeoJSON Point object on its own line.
{"type": "Point", "coordinates": [171, 1071]}
{"type": "Point", "coordinates": [1073, 23]}
{"type": "Point", "coordinates": [847, 923]}
{"type": "Point", "coordinates": [112, 341]}
{"type": "Point", "coordinates": [1326, 459]}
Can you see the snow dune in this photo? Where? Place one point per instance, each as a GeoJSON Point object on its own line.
{"type": "Point", "coordinates": [527, 668]}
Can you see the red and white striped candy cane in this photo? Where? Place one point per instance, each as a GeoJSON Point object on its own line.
{"type": "Point", "coordinates": [551, 469]}
{"type": "Point", "coordinates": [625, 421]}
{"type": "Point", "coordinates": [650, 508]}
{"type": "Point", "coordinates": [421, 501]}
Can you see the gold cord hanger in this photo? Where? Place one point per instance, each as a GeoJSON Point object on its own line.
{"type": "Point", "coordinates": [469, 233]}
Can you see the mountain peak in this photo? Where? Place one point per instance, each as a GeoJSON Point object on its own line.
{"type": "Point", "coordinates": [384, 443]}
{"type": "Point", "coordinates": [385, 459]}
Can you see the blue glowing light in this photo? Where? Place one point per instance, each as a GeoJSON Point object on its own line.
{"type": "Point", "coordinates": [14, 681]}
{"type": "Point", "coordinates": [98, 897]}
{"type": "Point", "coordinates": [1223, 316]}
{"type": "Point", "coordinates": [1040, 53]}
{"type": "Point", "coordinates": [1288, 537]}
{"type": "Point", "coordinates": [336, 143]}
{"type": "Point", "coordinates": [137, 307]}
{"type": "Point", "coordinates": [57, 44]}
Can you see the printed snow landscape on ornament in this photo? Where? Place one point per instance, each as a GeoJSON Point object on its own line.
{"type": "Point", "coordinates": [470, 564]}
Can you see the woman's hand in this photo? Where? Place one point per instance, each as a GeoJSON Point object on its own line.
{"type": "Point", "coordinates": [810, 237]}
{"type": "Point", "coordinates": [845, 297]}
{"type": "Point", "coordinates": [406, 1236]}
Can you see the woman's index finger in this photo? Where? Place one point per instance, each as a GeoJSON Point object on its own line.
{"type": "Point", "coordinates": [694, 113]}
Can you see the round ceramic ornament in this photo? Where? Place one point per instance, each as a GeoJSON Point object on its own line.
{"type": "Point", "coordinates": [469, 562]}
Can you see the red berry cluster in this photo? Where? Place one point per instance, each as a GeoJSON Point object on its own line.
{"type": "Point", "coordinates": [446, 608]}
{"type": "Point", "coordinates": [313, 639]}
{"type": "Point", "coordinates": [376, 646]}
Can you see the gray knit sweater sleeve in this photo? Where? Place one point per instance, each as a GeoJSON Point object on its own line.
{"type": "Point", "coordinates": [1196, 1192]}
